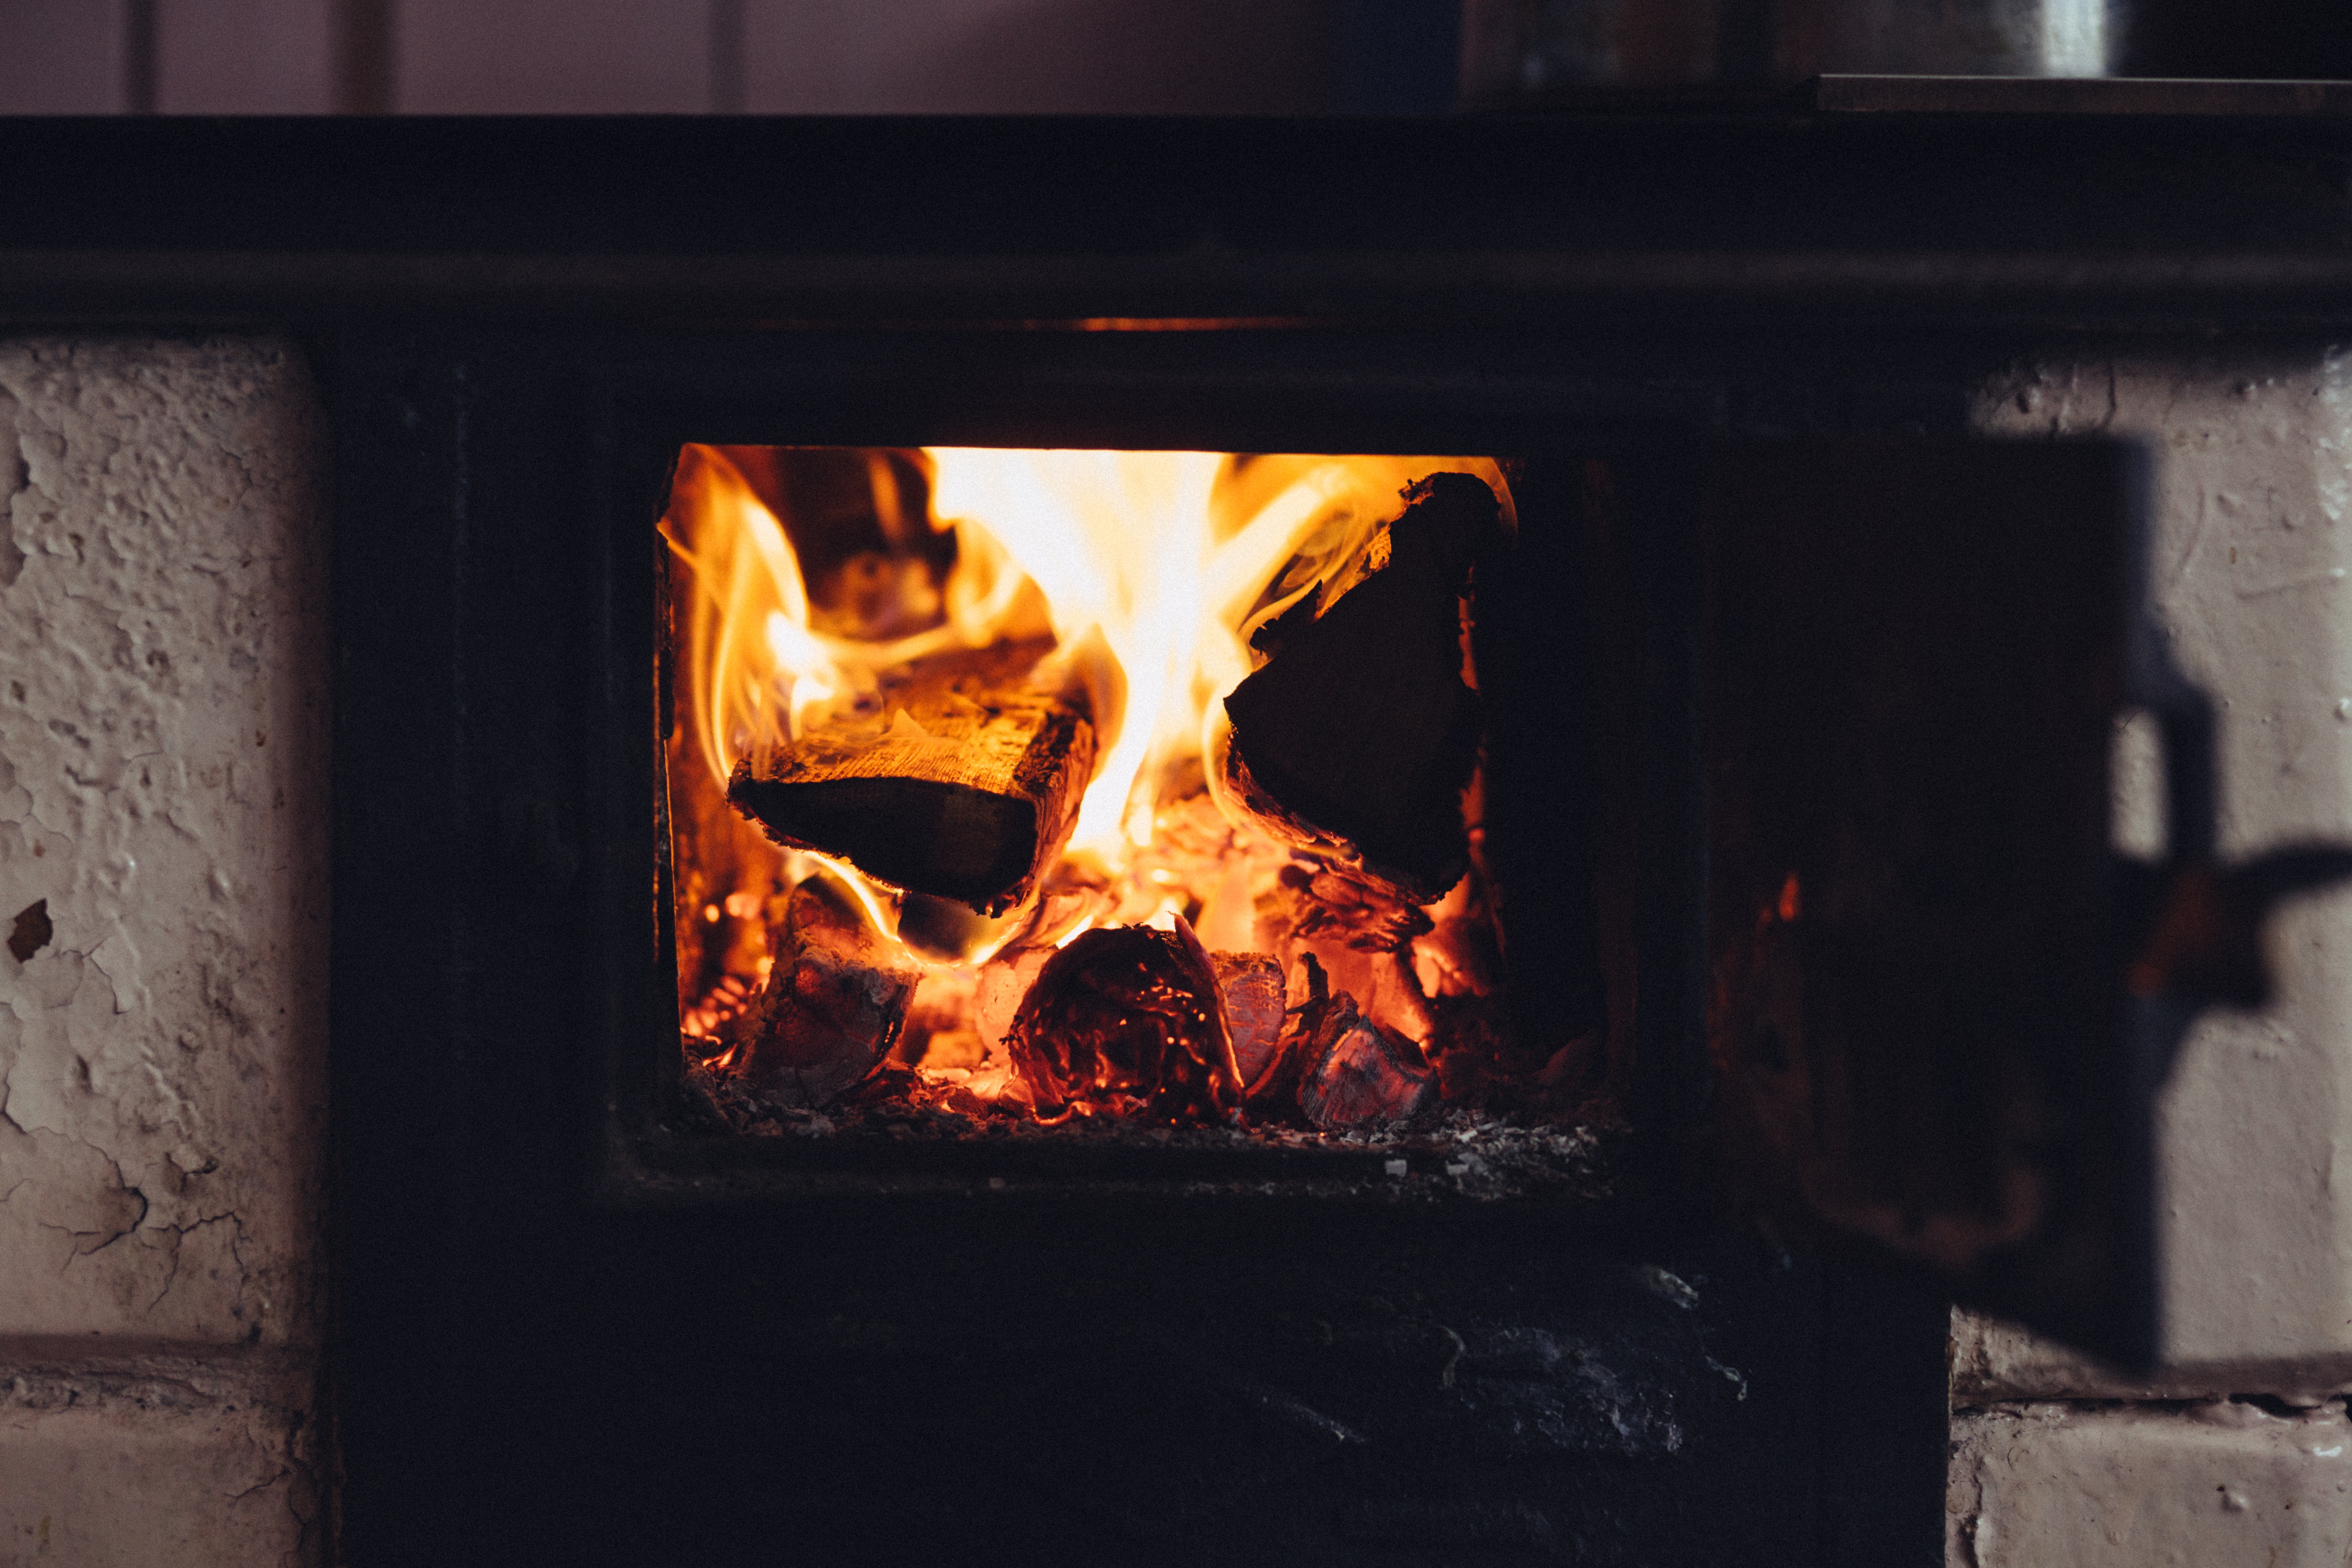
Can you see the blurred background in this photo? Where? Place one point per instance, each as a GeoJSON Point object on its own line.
{"type": "Point", "coordinates": [1209, 56]}
{"type": "Point", "coordinates": [694, 57]}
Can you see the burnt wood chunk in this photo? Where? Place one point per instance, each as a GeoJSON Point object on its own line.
{"type": "Point", "coordinates": [1272, 1093]}
{"type": "Point", "coordinates": [997, 993]}
{"type": "Point", "coordinates": [1358, 1072]}
{"type": "Point", "coordinates": [1252, 988]}
{"type": "Point", "coordinates": [1364, 935]}
{"type": "Point", "coordinates": [1127, 1021]}
{"type": "Point", "coordinates": [1358, 735]}
{"type": "Point", "coordinates": [964, 782]}
{"type": "Point", "coordinates": [833, 1005]}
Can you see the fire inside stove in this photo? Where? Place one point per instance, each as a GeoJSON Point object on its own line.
{"type": "Point", "coordinates": [1047, 787]}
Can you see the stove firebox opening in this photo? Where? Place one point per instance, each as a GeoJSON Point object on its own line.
{"type": "Point", "coordinates": [1109, 791]}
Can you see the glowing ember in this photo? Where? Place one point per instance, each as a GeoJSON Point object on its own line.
{"type": "Point", "coordinates": [1128, 1022]}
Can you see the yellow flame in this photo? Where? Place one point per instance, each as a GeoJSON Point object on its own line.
{"type": "Point", "coordinates": [1151, 569]}
{"type": "Point", "coordinates": [1150, 563]}
{"type": "Point", "coordinates": [747, 581]}
{"type": "Point", "coordinates": [1118, 541]}
{"type": "Point", "coordinates": [755, 663]}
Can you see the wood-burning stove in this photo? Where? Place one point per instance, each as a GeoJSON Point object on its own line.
{"type": "Point", "coordinates": [1802, 700]}
{"type": "Point", "coordinates": [1172, 1346]}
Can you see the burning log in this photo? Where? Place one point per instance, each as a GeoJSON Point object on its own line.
{"type": "Point", "coordinates": [833, 1005]}
{"type": "Point", "coordinates": [1358, 735]}
{"type": "Point", "coordinates": [1127, 1020]}
{"type": "Point", "coordinates": [1364, 936]}
{"type": "Point", "coordinates": [1274, 1092]}
{"type": "Point", "coordinates": [1461, 954]}
{"type": "Point", "coordinates": [962, 784]}
{"type": "Point", "coordinates": [1355, 1072]}
{"type": "Point", "coordinates": [997, 992]}
{"type": "Point", "coordinates": [1335, 1068]}
{"type": "Point", "coordinates": [1251, 985]}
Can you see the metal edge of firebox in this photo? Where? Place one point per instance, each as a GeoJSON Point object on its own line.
{"type": "Point", "coordinates": [2200, 290]}
{"type": "Point", "coordinates": [1382, 400]}
{"type": "Point", "coordinates": [1914, 210]}
{"type": "Point", "coordinates": [2246, 98]}
{"type": "Point", "coordinates": [649, 1166]}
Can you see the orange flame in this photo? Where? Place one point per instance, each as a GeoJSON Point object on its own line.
{"type": "Point", "coordinates": [1150, 570]}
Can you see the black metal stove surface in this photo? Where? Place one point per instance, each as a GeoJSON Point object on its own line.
{"type": "Point", "coordinates": [1063, 1389]}
{"type": "Point", "coordinates": [1122, 1360]}
{"type": "Point", "coordinates": [2057, 217]}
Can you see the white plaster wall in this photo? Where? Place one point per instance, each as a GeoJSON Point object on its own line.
{"type": "Point", "coordinates": [163, 796]}
{"type": "Point", "coordinates": [2213, 1485]}
{"type": "Point", "coordinates": [2254, 478]}
{"type": "Point", "coordinates": [2237, 1449]}
{"type": "Point", "coordinates": [160, 1459]}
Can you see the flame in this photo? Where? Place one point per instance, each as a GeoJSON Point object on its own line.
{"type": "Point", "coordinates": [1151, 569]}
{"type": "Point", "coordinates": [1152, 564]}
{"type": "Point", "coordinates": [748, 578]}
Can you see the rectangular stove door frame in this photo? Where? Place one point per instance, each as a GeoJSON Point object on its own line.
{"type": "Point", "coordinates": [650, 1156]}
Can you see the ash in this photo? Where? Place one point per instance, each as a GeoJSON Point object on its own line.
{"type": "Point", "coordinates": [1449, 1151]}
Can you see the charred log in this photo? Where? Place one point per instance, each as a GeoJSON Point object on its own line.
{"type": "Point", "coordinates": [1459, 955]}
{"type": "Point", "coordinates": [962, 783]}
{"type": "Point", "coordinates": [1364, 937]}
{"type": "Point", "coordinates": [833, 1004]}
{"type": "Point", "coordinates": [1127, 1021]}
{"type": "Point", "coordinates": [1359, 734]}
{"type": "Point", "coordinates": [1354, 1072]}
{"type": "Point", "coordinates": [1481, 1065]}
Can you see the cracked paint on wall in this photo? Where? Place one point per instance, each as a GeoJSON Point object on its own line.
{"type": "Point", "coordinates": [193, 1461]}
{"type": "Point", "coordinates": [162, 803]}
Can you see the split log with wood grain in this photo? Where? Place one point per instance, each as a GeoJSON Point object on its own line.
{"type": "Point", "coordinates": [962, 781]}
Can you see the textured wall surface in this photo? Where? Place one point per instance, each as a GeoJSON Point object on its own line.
{"type": "Point", "coordinates": [2053, 1485]}
{"type": "Point", "coordinates": [1995, 1362]}
{"type": "Point", "coordinates": [2253, 478]}
{"type": "Point", "coordinates": [159, 1458]}
{"type": "Point", "coordinates": [162, 901]}
{"type": "Point", "coordinates": [2236, 1451]}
